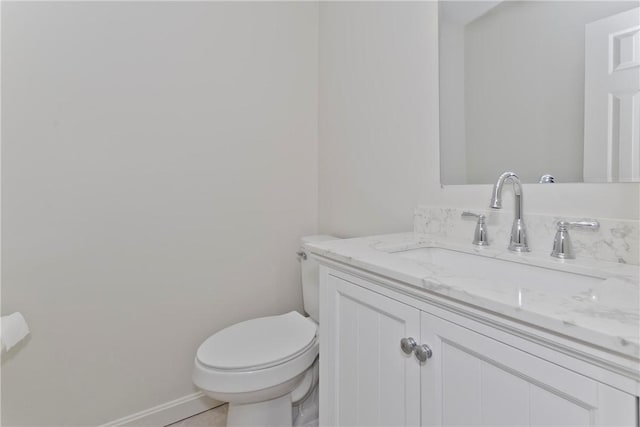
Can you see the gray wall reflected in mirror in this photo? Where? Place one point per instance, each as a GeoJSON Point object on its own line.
{"type": "Point", "coordinates": [518, 78]}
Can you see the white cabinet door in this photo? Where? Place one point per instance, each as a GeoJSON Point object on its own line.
{"type": "Point", "coordinates": [473, 380]}
{"type": "Point", "coordinates": [365, 378]}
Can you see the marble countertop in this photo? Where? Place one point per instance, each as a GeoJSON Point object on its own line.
{"type": "Point", "coordinates": [606, 315]}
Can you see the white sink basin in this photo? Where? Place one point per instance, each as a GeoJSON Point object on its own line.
{"type": "Point", "coordinates": [519, 282]}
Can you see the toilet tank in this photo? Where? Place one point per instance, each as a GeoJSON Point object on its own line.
{"type": "Point", "coordinates": [310, 277]}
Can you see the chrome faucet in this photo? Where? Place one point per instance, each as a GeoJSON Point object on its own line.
{"type": "Point", "coordinates": [518, 241]}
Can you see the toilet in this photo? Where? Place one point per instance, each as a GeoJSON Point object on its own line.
{"type": "Point", "coordinates": [267, 368]}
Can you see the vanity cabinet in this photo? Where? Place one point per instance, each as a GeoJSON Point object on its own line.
{"type": "Point", "coordinates": [473, 380]}
{"type": "Point", "coordinates": [371, 382]}
{"type": "Point", "coordinates": [470, 379]}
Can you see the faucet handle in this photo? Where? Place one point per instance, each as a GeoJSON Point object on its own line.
{"type": "Point", "coordinates": [481, 217]}
{"type": "Point", "coordinates": [562, 246]}
{"type": "Point", "coordinates": [480, 234]}
{"type": "Point", "coordinates": [590, 224]}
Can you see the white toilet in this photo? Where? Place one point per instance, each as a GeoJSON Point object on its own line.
{"type": "Point", "coordinates": [267, 368]}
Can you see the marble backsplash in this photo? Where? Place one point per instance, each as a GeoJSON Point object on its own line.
{"type": "Point", "coordinates": [617, 240]}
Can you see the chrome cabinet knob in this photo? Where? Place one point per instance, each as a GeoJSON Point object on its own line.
{"type": "Point", "coordinates": [423, 352]}
{"type": "Point", "coordinates": [408, 345]}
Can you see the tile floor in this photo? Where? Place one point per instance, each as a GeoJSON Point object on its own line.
{"type": "Point", "coordinates": [216, 417]}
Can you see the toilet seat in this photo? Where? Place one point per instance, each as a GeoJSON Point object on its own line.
{"type": "Point", "coordinates": [225, 385]}
{"type": "Point", "coordinates": [257, 357]}
{"type": "Point", "coordinates": [258, 343]}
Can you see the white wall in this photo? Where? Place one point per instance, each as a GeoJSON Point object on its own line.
{"type": "Point", "coordinates": [376, 106]}
{"type": "Point", "coordinates": [452, 115]}
{"type": "Point", "coordinates": [159, 166]}
{"type": "Point", "coordinates": [379, 149]}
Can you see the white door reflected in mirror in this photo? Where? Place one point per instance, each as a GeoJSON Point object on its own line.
{"type": "Point", "coordinates": [612, 99]}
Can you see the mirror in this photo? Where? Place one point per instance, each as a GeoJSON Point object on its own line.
{"type": "Point", "coordinates": [540, 88]}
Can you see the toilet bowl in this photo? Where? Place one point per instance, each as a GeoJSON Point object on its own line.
{"type": "Point", "coordinates": [267, 368]}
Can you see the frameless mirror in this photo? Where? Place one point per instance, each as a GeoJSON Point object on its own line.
{"type": "Point", "coordinates": [548, 89]}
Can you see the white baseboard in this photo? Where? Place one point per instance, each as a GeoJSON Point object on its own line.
{"type": "Point", "coordinates": [167, 413]}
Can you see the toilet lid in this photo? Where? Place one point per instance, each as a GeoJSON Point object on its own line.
{"type": "Point", "coordinates": [258, 343]}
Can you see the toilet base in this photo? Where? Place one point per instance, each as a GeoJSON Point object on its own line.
{"type": "Point", "coordinates": [306, 412]}
{"type": "Point", "coordinates": [298, 408]}
{"type": "Point", "coordinates": [272, 413]}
